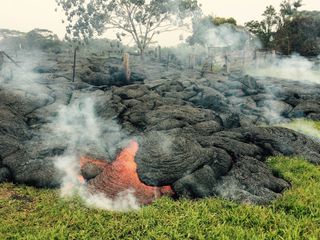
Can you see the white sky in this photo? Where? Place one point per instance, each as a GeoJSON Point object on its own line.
{"type": "Point", "coordinates": [25, 15]}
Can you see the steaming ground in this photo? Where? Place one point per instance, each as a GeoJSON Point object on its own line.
{"type": "Point", "coordinates": [83, 133]}
{"type": "Point", "coordinates": [294, 68]}
{"type": "Point", "coordinates": [308, 128]}
{"type": "Point", "coordinates": [199, 135]}
{"type": "Point", "coordinates": [73, 128]}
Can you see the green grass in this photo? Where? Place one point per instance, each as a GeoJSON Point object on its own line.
{"type": "Point", "coordinates": [29, 213]}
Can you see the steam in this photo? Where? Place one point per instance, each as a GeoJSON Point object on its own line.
{"type": "Point", "coordinates": [125, 201]}
{"type": "Point", "coordinates": [273, 113]}
{"type": "Point", "coordinates": [232, 189]}
{"type": "Point", "coordinates": [226, 35]}
{"type": "Point", "coordinates": [79, 131]}
{"type": "Point", "coordinates": [82, 132]}
{"type": "Point", "coordinates": [23, 78]}
{"type": "Point", "coordinates": [294, 67]}
{"type": "Point", "coordinates": [214, 43]}
{"type": "Point", "coordinates": [75, 129]}
{"type": "Point", "coordinates": [306, 127]}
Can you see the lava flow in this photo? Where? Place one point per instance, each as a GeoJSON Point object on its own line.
{"type": "Point", "coordinates": [121, 175]}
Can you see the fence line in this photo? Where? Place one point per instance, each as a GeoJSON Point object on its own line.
{"type": "Point", "coordinates": [214, 61]}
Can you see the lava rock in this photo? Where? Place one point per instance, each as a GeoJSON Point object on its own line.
{"type": "Point", "coordinates": [199, 184]}
{"type": "Point", "coordinates": [305, 108]}
{"type": "Point", "coordinates": [90, 171]}
{"type": "Point", "coordinates": [160, 153]}
{"type": "Point", "coordinates": [44, 69]}
{"type": "Point", "coordinates": [199, 136]}
{"type": "Point", "coordinates": [5, 174]}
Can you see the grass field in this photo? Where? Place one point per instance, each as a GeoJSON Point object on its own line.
{"type": "Point", "coordinates": [29, 213]}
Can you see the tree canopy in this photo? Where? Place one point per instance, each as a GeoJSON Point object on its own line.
{"type": "Point", "coordinates": [290, 30]}
{"type": "Point", "coordinates": [139, 19]}
{"type": "Point", "coordinates": [264, 29]}
{"type": "Point", "coordinates": [301, 34]}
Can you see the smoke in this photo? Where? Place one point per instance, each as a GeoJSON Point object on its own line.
{"type": "Point", "coordinates": [306, 127]}
{"type": "Point", "coordinates": [22, 77]}
{"type": "Point", "coordinates": [211, 44]}
{"type": "Point", "coordinates": [273, 113]}
{"type": "Point", "coordinates": [231, 189]}
{"type": "Point", "coordinates": [294, 67]}
{"type": "Point", "coordinates": [185, 53]}
{"type": "Point", "coordinates": [125, 201]}
{"type": "Point", "coordinates": [226, 35]}
{"type": "Point", "coordinates": [83, 133]}
{"type": "Point", "coordinates": [72, 130]}
{"type": "Point", "coordinates": [275, 73]}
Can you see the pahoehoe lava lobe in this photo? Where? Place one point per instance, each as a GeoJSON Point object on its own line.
{"type": "Point", "coordinates": [229, 163]}
{"type": "Point", "coordinates": [113, 179]}
{"type": "Point", "coordinates": [201, 136]}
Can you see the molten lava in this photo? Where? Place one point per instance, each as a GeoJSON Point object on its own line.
{"type": "Point", "coordinates": [121, 175]}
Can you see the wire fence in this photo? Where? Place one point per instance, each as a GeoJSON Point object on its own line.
{"type": "Point", "coordinates": [211, 61]}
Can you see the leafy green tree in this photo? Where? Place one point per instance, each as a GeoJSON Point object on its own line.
{"type": "Point", "coordinates": [301, 34]}
{"type": "Point", "coordinates": [285, 33]}
{"type": "Point", "coordinates": [142, 20]}
{"type": "Point", "coordinates": [288, 9]}
{"type": "Point", "coordinates": [221, 20]}
{"type": "Point", "coordinates": [266, 28]}
{"type": "Point", "coordinates": [278, 27]}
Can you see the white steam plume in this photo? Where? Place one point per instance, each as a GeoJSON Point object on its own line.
{"type": "Point", "coordinates": [78, 127]}
{"type": "Point", "coordinates": [226, 35]}
{"type": "Point", "coordinates": [306, 127]}
{"type": "Point", "coordinates": [294, 67]}
{"type": "Point", "coordinates": [75, 128]}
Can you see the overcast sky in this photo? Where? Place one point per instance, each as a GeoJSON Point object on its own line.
{"type": "Point", "coordinates": [25, 15]}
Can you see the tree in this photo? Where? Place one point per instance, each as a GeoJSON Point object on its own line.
{"type": "Point", "coordinates": [221, 20]}
{"type": "Point", "coordinates": [288, 9]}
{"type": "Point", "coordinates": [285, 32]}
{"type": "Point", "coordinates": [140, 19]}
{"type": "Point", "coordinates": [301, 34]}
{"type": "Point", "coordinates": [292, 30]}
{"type": "Point", "coordinates": [265, 29]}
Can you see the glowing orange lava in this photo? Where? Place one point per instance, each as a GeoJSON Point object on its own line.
{"type": "Point", "coordinates": [81, 179]}
{"type": "Point", "coordinates": [121, 175]}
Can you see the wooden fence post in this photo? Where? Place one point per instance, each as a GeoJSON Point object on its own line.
{"type": "Point", "coordinates": [227, 65]}
{"type": "Point", "coordinates": [159, 53]}
{"type": "Point", "coordinates": [126, 66]}
{"type": "Point", "coordinates": [273, 55]}
{"type": "Point", "coordinates": [255, 64]}
{"type": "Point", "coordinates": [1, 60]}
{"type": "Point", "coordinates": [74, 63]}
